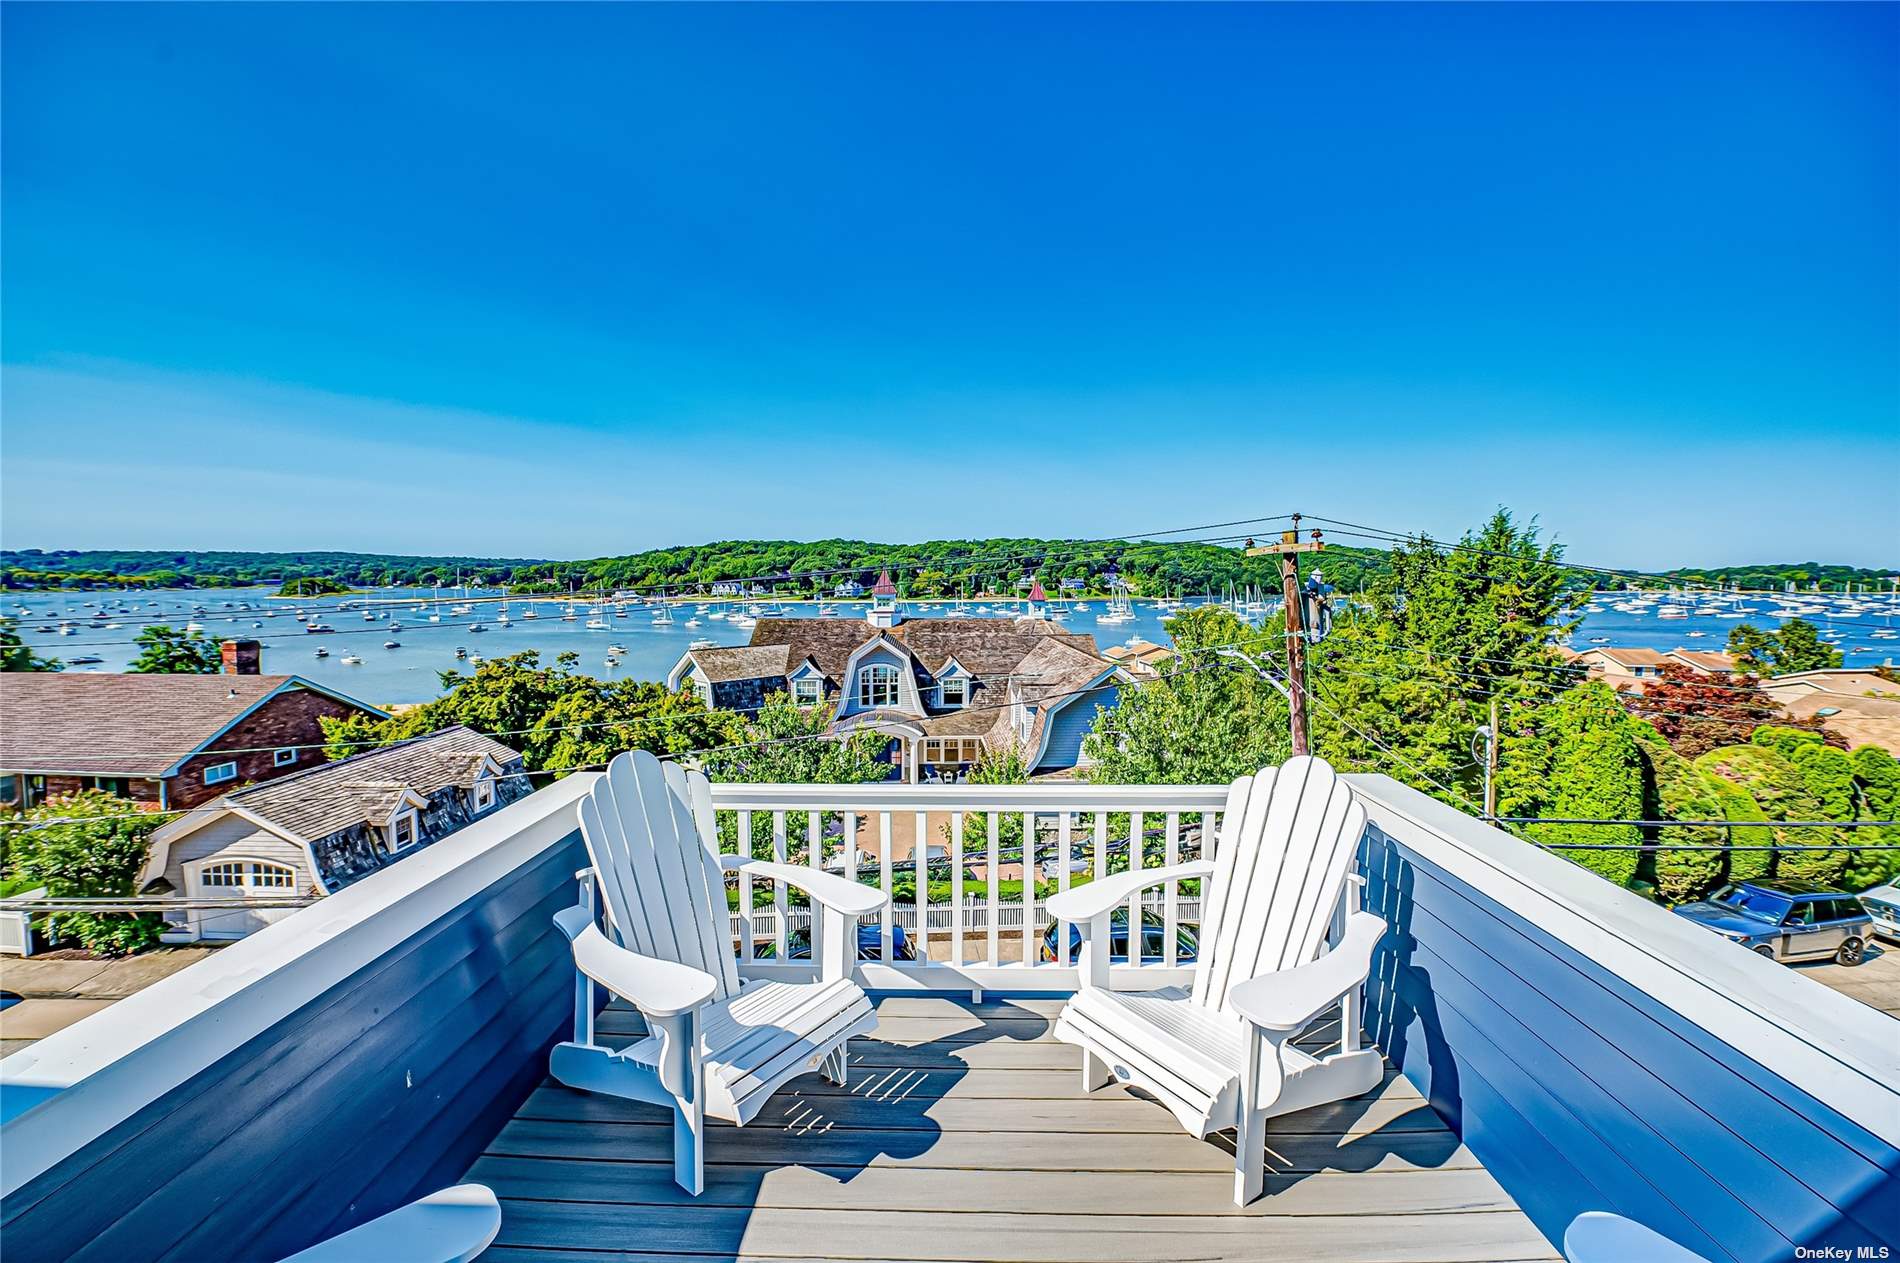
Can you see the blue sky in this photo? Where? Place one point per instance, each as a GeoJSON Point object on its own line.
{"type": "Point", "coordinates": [573, 281]}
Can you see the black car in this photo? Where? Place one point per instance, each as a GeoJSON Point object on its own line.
{"type": "Point", "coordinates": [870, 945]}
{"type": "Point", "coordinates": [1153, 939]}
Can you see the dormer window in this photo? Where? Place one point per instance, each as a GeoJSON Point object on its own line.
{"type": "Point", "coordinates": [807, 693]}
{"type": "Point", "coordinates": [402, 831]}
{"type": "Point", "coordinates": [484, 793]}
{"type": "Point", "coordinates": [954, 691]}
{"type": "Point", "coordinates": [877, 686]}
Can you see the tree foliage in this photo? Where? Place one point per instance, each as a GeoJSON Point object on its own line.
{"type": "Point", "coordinates": [1401, 686]}
{"type": "Point", "coordinates": [786, 744]}
{"type": "Point", "coordinates": [1697, 713]}
{"type": "Point", "coordinates": [559, 718]}
{"type": "Point", "coordinates": [167, 651]}
{"type": "Point", "coordinates": [1577, 757]}
{"type": "Point", "coordinates": [16, 656]}
{"type": "Point", "coordinates": [1877, 775]}
{"type": "Point", "coordinates": [87, 845]}
{"type": "Point", "coordinates": [1781, 792]}
{"type": "Point", "coordinates": [1676, 789]}
{"type": "Point", "coordinates": [1207, 718]}
{"type": "Point", "coordinates": [1795, 646]}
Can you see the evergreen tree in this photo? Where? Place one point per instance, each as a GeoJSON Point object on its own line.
{"type": "Point", "coordinates": [167, 651]}
{"type": "Point", "coordinates": [1577, 757]}
{"type": "Point", "coordinates": [1675, 789]}
{"type": "Point", "coordinates": [1877, 775]}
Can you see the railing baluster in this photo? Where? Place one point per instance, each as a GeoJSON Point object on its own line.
{"type": "Point", "coordinates": [1031, 954]}
{"type": "Point", "coordinates": [993, 911]}
{"type": "Point", "coordinates": [1062, 883]}
{"type": "Point", "coordinates": [888, 917]}
{"type": "Point", "coordinates": [956, 887]}
{"type": "Point", "coordinates": [1136, 862]}
{"type": "Point", "coordinates": [815, 857]}
{"type": "Point", "coordinates": [1171, 912]}
{"type": "Point", "coordinates": [920, 864]}
{"type": "Point", "coordinates": [778, 887]}
{"type": "Point", "coordinates": [744, 833]}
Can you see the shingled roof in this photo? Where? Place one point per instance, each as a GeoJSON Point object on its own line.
{"type": "Point", "coordinates": [988, 648]}
{"type": "Point", "coordinates": [367, 787]}
{"type": "Point", "coordinates": [125, 725]}
{"type": "Point", "coordinates": [744, 662]}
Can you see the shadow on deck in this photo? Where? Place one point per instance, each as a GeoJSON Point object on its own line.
{"type": "Point", "coordinates": [964, 1135]}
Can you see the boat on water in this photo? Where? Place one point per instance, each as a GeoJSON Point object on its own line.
{"type": "Point", "coordinates": [350, 660]}
{"type": "Point", "coordinates": [315, 628]}
{"type": "Point", "coordinates": [475, 659]}
{"type": "Point", "coordinates": [190, 627]}
{"type": "Point", "coordinates": [476, 627]}
{"type": "Point", "coordinates": [321, 652]}
{"type": "Point", "coordinates": [743, 620]}
{"type": "Point", "coordinates": [692, 622]}
{"type": "Point", "coordinates": [460, 652]}
{"type": "Point", "coordinates": [597, 624]}
{"type": "Point", "coordinates": [84, 660]}
{"type": "Point", "coordinates": [392, 644]}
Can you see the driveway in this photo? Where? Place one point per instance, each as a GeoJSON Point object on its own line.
{"type": "Point", "coordinates": [1875, 981]}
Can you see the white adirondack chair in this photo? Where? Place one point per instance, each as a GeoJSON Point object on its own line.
{"type": "Point", "coordinates": [1221, 1054]}
{"type": "Point", "coordinates": [717, 1048]}
{"type": "Point", "coordinates": [452, 1225]}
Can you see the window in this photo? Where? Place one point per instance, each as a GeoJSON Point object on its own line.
{"type": "Point", "coordinates": [9, 789]}
{"type": "Point", "coordinates": [117, 786]}
{"type": "Point", "coordinates": [942, 751]}
{"type": "Point", "coordinates": [240, 874]}
{"type": "Point", "coordinates": [808, 692]}
{"type": "Point", "coordinates": [402, 831]}
{"type": "Point", "coordinates": [877, 686]}
{"type": "Point", "coordinates": [219, 773]}
{"type": "Point", "coordinates": [284, 757]}
{"type": "Point", "coordinates": [484, 793]}
{"type": "Point", "coordinates": [954, 691]}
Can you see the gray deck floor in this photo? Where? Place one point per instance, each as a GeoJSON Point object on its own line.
{"type": "Point", "coordinates": [964, 1135]}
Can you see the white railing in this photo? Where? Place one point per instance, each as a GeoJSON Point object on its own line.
{"type": "Point", "coordinates": [984, 936]}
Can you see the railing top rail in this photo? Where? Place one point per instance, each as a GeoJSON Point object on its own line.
{"type": "Point", "coordinates": [1048, 796]}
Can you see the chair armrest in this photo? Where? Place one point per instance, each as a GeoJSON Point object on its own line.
{"type": "Point", "coordinates": [450, 1226]}
{"type": "Point", "coordinates": [1284, 1001]}
{"type": "Point", "coordinates": [1104, 894]}
{"type": "Point", "coordinates": [838, 893]}
{"type": "Point", "coordinates": [659, 988]}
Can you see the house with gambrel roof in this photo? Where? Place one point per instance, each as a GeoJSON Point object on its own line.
{"type": "Point", "coordinates": [946, 691]}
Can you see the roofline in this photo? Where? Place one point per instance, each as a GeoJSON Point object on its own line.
{"type": "Point", "coordinates": [1076, 695]}
{"type": "Point", "coordinates": [290, 682]}
{"type": "Point", "coordinates": [158, 852]}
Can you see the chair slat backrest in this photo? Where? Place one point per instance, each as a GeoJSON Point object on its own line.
{"type": "Point", "coordinates": [1287, 837]}
{"type": "Point", "coordinates": [663, 888]}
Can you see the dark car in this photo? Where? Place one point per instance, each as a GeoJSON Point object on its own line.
{"type": "Point", "coordinates": [1785, 920]}
{"type": "Point", "coordinates": [870, 945]}
{"type": "Point", "coordinates": [1153, 936]}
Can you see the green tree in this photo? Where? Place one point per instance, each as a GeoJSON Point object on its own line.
{"type": "Point", "coordinates": [1675, 789]}
{"type": "Point", "coordinates": [786, 744]}
{"type": "Point", "coordinates": [87, 845]}
{"type": "Point", "coordinates": [1206, 718]}
{"type": "Point", "coordinates": [1740, 807]}
{"type": "Point", "coordinates": [1877, 775]}
{"type": "Point", "coordinates": [1577, 757]}
{"type": "Point", "coordinates": [1401, 686]}
{"type": "Point", "coordinates": [167, 651]}
{"type": "Point", "coordinates": [1780, 790]}
{"type": "Point", "coordinates": [1796, 646]}
{"type": "Point", "coordinates": [14, 654]}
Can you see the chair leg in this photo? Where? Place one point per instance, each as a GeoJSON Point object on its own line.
{"type": "Point", "coordinates": [1095, 1071]}
{"type": "Point", "coordinates": [833, 1068]}
{"type": "Point", "coordinates": [1250, 1157]}
{"type": "Point", "coordinates": [689, 1146]}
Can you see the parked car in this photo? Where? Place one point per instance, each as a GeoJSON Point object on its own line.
{"type": "Point", "coordinates": [1785, 920]}
{"type": "Point", "coordinates": [870, 945]}
{"type": "Point", "coordinates": [1883, 905]}
{"type": "Point", "coordinates": [1153, 931]}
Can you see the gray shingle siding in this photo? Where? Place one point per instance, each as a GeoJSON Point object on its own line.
{"type": "Point", "coordinates": [356, 852]}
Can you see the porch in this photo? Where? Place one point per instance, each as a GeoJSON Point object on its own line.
{"type": "Point", "coordinates": [964, 1134]}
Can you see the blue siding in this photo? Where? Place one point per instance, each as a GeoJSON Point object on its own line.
{"type": "Point", "coordinates": [881, 656]}
{"type": "Point", "coordinates": [1069, 725]}
{"type": "Point", "coordinates": [382, 1089]}
{"type": "Point", "coordinates": [1579, 1092]}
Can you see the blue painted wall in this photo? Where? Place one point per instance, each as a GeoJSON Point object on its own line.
{"type": "Point", "coordinates": [881, 656]}
{"type": "Point", "coordinates": [1069, 725]}
{"type": "Point", "coordinates": [1580, 1092]}
{"type": "Point", "coordinates": [384, 1088]}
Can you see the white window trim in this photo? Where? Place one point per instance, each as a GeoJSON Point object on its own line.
{"type": "Point", "coordinates": [395, 822]}
{"type": "Point", "coordinates": [816, 687]}
{"type": "Point", "coordinates": [226, 771]}
{"type": "Point", "coordinates": [284, 756]}
{"type": "Point", "coordinates": [963, 689]}
{"type": "Point", "coordinates": [484, 785]}
{"type": "Point", "coordinates": [872, 674]}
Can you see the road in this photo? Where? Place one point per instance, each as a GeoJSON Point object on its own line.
{"type": "Point", "coordinates": [1875, 981]}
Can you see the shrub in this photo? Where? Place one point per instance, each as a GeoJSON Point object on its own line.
{"type": "Point", "coordinates": [1595, 771]}
{"type": "Point", "coordinates": [88, 845]}
{"type": "Point", "coordinates": [1675, 789]}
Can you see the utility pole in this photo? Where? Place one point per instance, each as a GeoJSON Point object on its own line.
{"type": "Point", "coordinates": [1288, 550]}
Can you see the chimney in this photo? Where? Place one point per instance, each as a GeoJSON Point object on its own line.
{"type": "Point", "coordinates": [242, 657]}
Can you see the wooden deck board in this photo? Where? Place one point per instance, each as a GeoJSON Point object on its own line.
{"type": "Point", "coordinates": [964, 1135]}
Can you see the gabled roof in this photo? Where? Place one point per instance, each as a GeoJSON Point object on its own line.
{"type": "Point", "coordinates": [127, 725]}
{"type": "Point", "coordinates": [988, 648]}
{"type": "Point", "coordinates": [744, 662]}
{"type": "Point", "coordinates": [1627, 657]}
{"type": "Point", "coordinates": [1705, 660]}
{"type": "Point", "coordinates": [367, 787]}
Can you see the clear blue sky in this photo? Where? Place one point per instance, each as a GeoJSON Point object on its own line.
{"type": "Point", "coordinates": [571, 281]}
